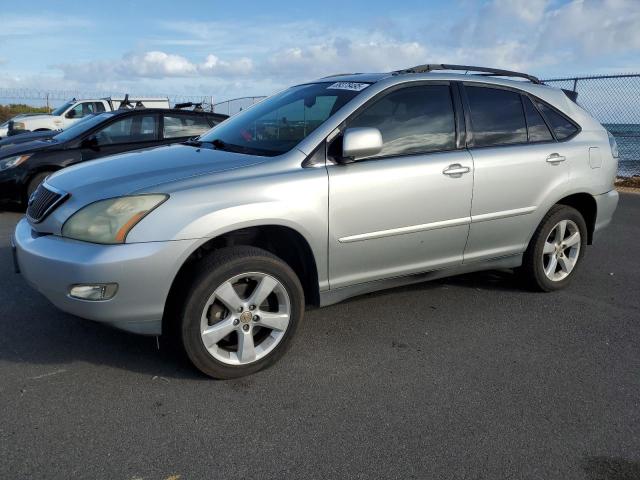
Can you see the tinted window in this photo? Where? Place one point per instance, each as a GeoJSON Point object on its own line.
{"type": "Point", "coordinates": [561, 126]}
{"type": "Point", "coordinates": [279, 123]}
{"type": "Point", "coordinates": [538, 130]}
{"type": "Point", "coordinates": [184, 126]}
{"type": "Point", "coordinates": [139, 128]}
{"type": "Point", "coordinates": [412, 120]}
{"type": "Point", "coordinates": [496, 116]}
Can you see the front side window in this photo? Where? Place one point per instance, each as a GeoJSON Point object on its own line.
{"type": "Point", "coordinates": [176, 126]}
{"type": "Point", "coordinates": [562, 126]}
{"type": "Point", "coordinates": [497, 117]}
{"type": "Point", "coordinates": [277, 124]}
{"type": "Point", "coordinates": [412, 120]}
{"type": "Point", "coordinates": [139, 128]}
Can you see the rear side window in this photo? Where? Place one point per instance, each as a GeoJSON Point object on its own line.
{"type": "Point", "coordinates": [176, 126]}
{"type": "Point", "coordinates": [412, 120]}
{"type": "Point", "coordinates": [99, 107]}
{"type": "Point", "coordinates": [561, 125]}
{"type": "Point", "coordinates": [497, 117]}
{"type": "Point", "coordinates": [538, 130]}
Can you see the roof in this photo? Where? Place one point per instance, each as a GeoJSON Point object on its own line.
{"type": "Point", "coordinates": [468, 71]}
{"type": "Point", "coordinates": [122, 111]}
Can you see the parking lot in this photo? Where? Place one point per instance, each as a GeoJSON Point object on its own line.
{"type": "Point", "coordinates": [468, 377]}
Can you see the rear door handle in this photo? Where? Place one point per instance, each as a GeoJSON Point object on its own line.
{"type": "Point", "coordinates": [456, 170]}
{"type": "Point", "coordinates": [555, 158]}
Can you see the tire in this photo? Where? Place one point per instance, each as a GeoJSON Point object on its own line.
{"type": "Point", "coordinates": [222, 333]}
{"type": "Point", "coordinates": [550, 261]}
{"type": "Point", "coordinates": [35, 182]}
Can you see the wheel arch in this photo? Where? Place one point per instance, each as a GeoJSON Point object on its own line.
{"type": "Point", "coordinates": [586, 205]}
{"type": "Point", "coordinates": [581, 201]}
{"type": "Point", "coordinates": [283, 241]}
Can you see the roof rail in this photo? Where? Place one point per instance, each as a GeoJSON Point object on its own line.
{"type": "Point", "coordinates": [468, 68]}
{"type": "Point", "coordinates": [197, 107]}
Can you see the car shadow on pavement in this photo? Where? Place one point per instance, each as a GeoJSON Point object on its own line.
{"type": "Point", "coordinates": [609, 468]}
{"type": "Point", "coordinates": [505, 280]}
{"type": "Point", "coordinates": [32, 330]}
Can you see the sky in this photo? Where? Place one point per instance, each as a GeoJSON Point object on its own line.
{"type": "Point", "coordinates": [230, 49]}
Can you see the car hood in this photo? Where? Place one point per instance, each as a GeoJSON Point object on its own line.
{"type": "Point", "coordinates": [13, 149]}
{"type": "Point", "coordinates": [144, 170]}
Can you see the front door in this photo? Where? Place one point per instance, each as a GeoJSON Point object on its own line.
{"type": "Point", "coordinates": [407, 209]}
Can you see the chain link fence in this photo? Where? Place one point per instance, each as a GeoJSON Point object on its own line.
{"type": "Point", "coordinates": [615, 101]}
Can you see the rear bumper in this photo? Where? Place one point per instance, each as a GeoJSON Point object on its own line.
{"type": "Point", "coordinates": [144, 273]}
{"type": "Point", "coordinates": [606, 205]}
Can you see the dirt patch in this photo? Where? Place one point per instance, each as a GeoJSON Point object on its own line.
{"type": "Point", "coordinates": [628, 184]}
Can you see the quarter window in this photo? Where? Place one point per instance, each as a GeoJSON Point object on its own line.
{"type": "Point", "coordinates": [412, 120]}
{"type": "Point", "coordinates": [538, 130]}
{"type": "Point", "coordinates": [176, 126]}
{"type": "Point", "coordinates": [561, 125]}
{"type": "Point", "coordinates": [496, 116]}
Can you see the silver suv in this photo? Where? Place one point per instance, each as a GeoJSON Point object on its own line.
{"type": "Point", "coordinates": [327, 190]}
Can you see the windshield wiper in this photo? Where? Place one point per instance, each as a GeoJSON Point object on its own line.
{"type": "Point", "coordinates": [193, 142]}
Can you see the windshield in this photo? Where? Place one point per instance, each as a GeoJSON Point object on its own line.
{"type": "Point", "coordinates": [80, 127]}
{"type": "Point", "coordinates": [277, 124]}
{"type": "Point", "coordinates": [61, 109]}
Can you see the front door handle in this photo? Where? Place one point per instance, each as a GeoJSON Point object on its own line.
{"type": "Point", "coordinates": [456, 170]}
{"type": "Point", "coordinates": [555, 158]}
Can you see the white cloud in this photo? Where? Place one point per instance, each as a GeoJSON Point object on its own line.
{"type": "Point", "coordinates": [259, 56]}
{"type": "Point", "coordinates": [154, 64]}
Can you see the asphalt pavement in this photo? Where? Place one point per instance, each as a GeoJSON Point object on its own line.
{"type": "Point", "coordinates": [469, 377]}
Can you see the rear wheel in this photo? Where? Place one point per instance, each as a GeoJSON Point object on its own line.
{"type": "Point", "coordinates": [241, 312]}
{"type": "Point", "coordinates": [556, 249]}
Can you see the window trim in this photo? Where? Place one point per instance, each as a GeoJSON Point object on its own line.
{"type": "Point", "coordinates": [456, 103]}
{"type": "Point", "coordinates": [533, 98]}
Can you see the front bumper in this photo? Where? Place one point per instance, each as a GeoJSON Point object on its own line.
{"type": "Point", "coordinates": [144, 273]}
{"type": "Point", "coordinates": [606, 205]}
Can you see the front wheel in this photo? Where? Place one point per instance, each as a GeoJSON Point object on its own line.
{"type": "Point", "coordinates": [556, 249]}
{"type": "Point", "coordinates": [241, 312]}
{"type": "Point", "coordinates": [35, 182]}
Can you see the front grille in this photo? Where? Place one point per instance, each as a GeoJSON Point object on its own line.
{"type": "Point", "coordinates": [43, 201]}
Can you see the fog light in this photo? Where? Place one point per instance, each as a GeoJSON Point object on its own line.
{"type": "Point", "coordinates": [96, 292]}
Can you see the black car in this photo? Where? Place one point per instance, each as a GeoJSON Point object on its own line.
{"type": "Point", "coordinates": [24, 165]}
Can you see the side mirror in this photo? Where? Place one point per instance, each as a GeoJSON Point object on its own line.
{"type": "Point", "coordinates": [360, 142]}
{"type": "Point", "coordinates": [71, 114]}
{"type": "Point", "coordinates": [90, 142]}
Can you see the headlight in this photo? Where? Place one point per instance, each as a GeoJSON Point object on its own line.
{"type": "Point", "coordinates": [13, 161]}
{"type": "Point", "coordinates": [614, 145]}
{"type": "Point", "coordinates": [18, 126]}
{"type": "Point", "coordinates": [109, 221]}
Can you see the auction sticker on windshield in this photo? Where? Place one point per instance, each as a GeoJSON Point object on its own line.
{"type": "Point", "coordinates": [354, 86]}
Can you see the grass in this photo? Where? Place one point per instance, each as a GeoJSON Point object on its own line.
{"type": "Point", "coordinates": [9, 111]}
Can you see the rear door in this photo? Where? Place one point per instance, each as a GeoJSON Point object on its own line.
{"type": "Point", "coordinates": [403, 210]}
{"type": "Point", "coordinates": [518, 164]}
